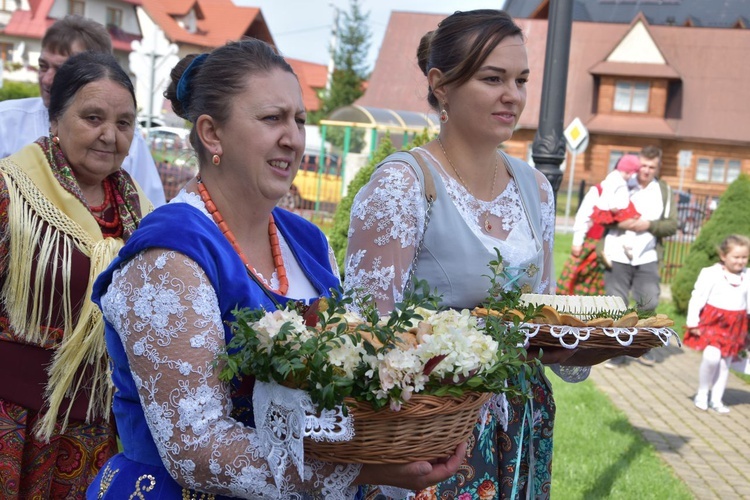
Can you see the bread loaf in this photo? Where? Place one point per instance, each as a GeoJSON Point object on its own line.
{"type": "Point", "coordinates": [581, 306]}
{"type": "Point", "coordinates": [599, 311]}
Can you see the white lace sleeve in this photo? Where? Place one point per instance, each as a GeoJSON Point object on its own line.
{"type": "Point", "coordinates": [570, 374]}
{"type": "Point", "coordinates": [387, 221]}
{"type": "Point", "coordinates": [167, 316]}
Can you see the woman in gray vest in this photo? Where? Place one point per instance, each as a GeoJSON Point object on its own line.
{"type": "Point", "coordinates": [476, 67]}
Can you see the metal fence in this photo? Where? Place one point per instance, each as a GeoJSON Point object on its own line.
{"type": "Point", "coordinates": [317, 187]}
{"type": "Point", "coordinates": [692, 212]}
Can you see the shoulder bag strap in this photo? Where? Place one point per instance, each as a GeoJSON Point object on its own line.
{"type": "Point", "coordinates": [417, 163]}
{"type": "Point", "coordinates": [430, 193]}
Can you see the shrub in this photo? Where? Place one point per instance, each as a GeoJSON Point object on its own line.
{"type": "Point", "coordinates": [340, 231]}
{"type": "Point", "coordinates": [18, 90]}
{"type": "Point", "coordinates": [726, 220]}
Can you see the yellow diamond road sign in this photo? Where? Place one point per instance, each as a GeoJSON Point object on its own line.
{"type": "Point", "coordinates": [575, 134]}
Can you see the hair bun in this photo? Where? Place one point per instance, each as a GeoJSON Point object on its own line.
{"type": "Point", "coordinates": [423, 51]}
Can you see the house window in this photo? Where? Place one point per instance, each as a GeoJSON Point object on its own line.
{"type": "Point", "coordinates": [718, 170]}
{"type": "Point", "coordinates": [77, 7]}
{"type": "Point", "coordinates": [614, 157]}
{"type": "Point", "coordinates": [733, 170]}
{"type": "Point", "coordinates": [631, 97]}
{"type": "Point", "coordinates": [114, 17]}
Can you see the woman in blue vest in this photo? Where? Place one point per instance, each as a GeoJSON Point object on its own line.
{"type": "Point", "coordinates": [167, 299]}
{"type": "Point", "coordinates": [476, 68]}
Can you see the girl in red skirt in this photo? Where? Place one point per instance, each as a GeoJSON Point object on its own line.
{"type": "Point", "coordinates": [717, 319]}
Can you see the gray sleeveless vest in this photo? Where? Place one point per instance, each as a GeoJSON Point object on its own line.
{"type": "Point", "coordinates": [453, 260]}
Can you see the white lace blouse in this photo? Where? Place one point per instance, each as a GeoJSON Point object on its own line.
{"type": "Point", "coordinates": [167, 316]}
{"type": "Point", "coordinates": [387, 223]}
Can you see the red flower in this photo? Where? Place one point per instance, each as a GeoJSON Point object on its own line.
{"type": "Point", "coordinates": [487, 490]}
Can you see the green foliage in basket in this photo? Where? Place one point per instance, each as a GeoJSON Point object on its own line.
{"type": "Point", "coordinates": [418, 348]}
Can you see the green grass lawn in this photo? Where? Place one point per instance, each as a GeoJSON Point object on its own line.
{"type": "Point", "coordinates": [597, 453]}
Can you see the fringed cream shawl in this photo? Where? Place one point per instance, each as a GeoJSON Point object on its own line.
{"type": "Point", "coordinates": [36, 198]}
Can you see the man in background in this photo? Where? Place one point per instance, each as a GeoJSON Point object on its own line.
{"type": "Point", "coordinates": [22, 121]}
{"type": "Point", "coordinates": [636, 273]}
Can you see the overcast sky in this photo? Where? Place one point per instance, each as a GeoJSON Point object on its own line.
{"type": "Point", "coordinates": [302, 28]}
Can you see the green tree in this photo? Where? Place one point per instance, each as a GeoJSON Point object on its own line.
{"type": "Point", "coordinates": [723, 222]}
{"type": "Point", "coordinates": [17, 90]}
{"type": "Point", "coordinates": [350, 72]}
{"type": "Point", "coordinates": [339, 232]}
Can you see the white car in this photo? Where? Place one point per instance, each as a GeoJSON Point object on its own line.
{"type": "Point", "coordinates": [163, 138]}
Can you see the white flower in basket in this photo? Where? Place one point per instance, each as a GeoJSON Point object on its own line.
{"type": "Point", "coordinates": [349, 370]}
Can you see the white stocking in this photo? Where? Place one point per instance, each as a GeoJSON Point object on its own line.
{"type": "Point", "coordinates": [713, 374]}
{"type": "Point", "coordinates": [708, 370]}
{"type": "Point", "coordinates": [717, 390]}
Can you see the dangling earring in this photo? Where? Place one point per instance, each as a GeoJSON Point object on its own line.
{"type": "Point", "coordinates": [216, 159]}
{"type": "Point", "coordinates": [443, 114]}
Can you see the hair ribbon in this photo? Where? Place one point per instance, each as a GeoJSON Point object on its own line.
{"type": "Point", "coordinates": [183, 86]}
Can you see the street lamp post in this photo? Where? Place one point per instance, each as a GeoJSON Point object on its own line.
{"type": "Point", "coordinates": [548, 150]}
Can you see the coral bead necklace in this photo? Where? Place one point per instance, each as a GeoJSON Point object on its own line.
{"type": "Point", "coordinates": [273, 236]}
{"type": "Point", "coordinates": [113, 228]}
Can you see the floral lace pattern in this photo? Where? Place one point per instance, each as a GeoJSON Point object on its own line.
{"type": "Point", "coordinates": [387, 222]}
{"type": "Point", "coordinates": [167, 316]}
{"type": "Point", "coordinates": [284, 417]}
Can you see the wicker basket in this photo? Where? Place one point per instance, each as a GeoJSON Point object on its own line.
{"type": "Point", "coordinates": [623, 339]}
{"type": "Point", "coordinates": [425, 428]}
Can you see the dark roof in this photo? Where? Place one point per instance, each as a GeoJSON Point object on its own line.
{"type": "Point", "coordinates": [704, 13]}
{"type": "Point", "coordinates": [710, 64]}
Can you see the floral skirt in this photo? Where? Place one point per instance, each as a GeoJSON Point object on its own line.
{"type": "Point", "coordinates": [498, 463]}
{"type": "Point", "coordinates": [582, 275]}
{"type": "Point", "coordinates": [725, 330]}
{"type": "Point", "coordinates": [60, 469]}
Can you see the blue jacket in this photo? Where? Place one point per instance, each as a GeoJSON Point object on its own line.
{"type": "Point", "coordinates": [184, 229]}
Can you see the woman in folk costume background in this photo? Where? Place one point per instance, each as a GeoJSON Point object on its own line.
{"type": "Point", "coordinates": [169, 297]}
{"type": "Point", "coordinates": [583, 272]}
{"type": "Point", "coordinates": [476, 68]}
{"type": "Point", "coordinates": [65, 209]}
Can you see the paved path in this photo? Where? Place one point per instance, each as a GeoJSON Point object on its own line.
{"type": "Point", "coordinates": [707, 451]}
